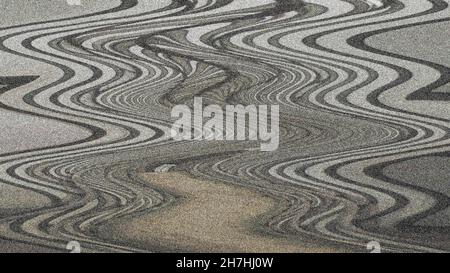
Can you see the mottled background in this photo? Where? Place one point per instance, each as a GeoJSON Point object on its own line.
{"type": "Point", "coordinates": [86, 155]}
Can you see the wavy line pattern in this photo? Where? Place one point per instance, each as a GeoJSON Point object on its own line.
{"type": "Point", "coordinates": [362, 86]}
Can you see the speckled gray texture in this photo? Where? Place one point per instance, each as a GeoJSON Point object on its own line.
{"type": "Point", "coordinates": [86, 94]}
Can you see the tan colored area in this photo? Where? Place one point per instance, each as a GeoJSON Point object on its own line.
{"type": "Point", "coordinates": [15, 198]}
{"type": "Point", "coordinates": [208, 217]}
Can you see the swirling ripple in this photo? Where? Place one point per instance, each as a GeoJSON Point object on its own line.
{"type": "Point", "coordinates": [365, 131]}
